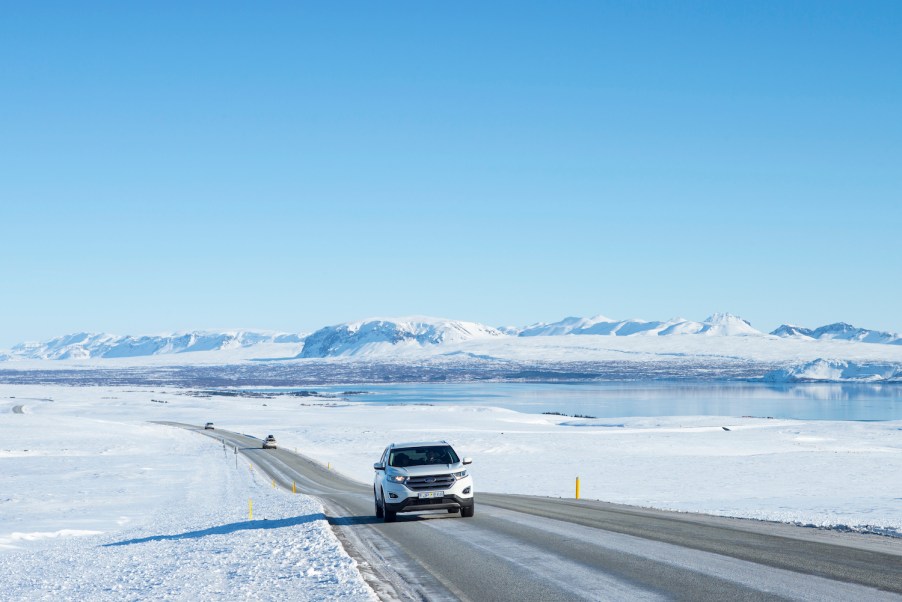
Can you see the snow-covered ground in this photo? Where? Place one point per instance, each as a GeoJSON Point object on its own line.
{"type": "Point", "coordinates": [82, 468]}
{"type": "Point", "coordinates": [103, 506]}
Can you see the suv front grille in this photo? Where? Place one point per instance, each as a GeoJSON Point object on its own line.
{"type": "Point", "coordinates": [439, 481]}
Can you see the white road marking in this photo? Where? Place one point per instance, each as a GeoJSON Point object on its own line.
{"type": "Point", "coordinates": [780, 582]}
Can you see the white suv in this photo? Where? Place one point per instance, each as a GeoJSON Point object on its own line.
{"type": "Point", "coordinates": [422, 476]}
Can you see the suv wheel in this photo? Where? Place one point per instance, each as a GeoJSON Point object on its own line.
{"type": "Point", "coordinates": [467, 512]}
{"type": "Point", "coordinates": [378, 506]}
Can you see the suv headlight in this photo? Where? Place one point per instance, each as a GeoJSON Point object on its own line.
{"type": "Point", "coordinates": [397, 478]}
{"type": "Point", "coordinates": [459, 475]}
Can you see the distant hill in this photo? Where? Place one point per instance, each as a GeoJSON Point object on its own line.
{"type": "Point", "coordinates": [85, 345]}
{"type": "Point", "coordinates": [418, 336]}
{"type": "Point", "coordinates": [840, 331]}
{"type": "Point", "coordinates": [720, 324]}
{"type": "Point", "coordinates": [373, 335]}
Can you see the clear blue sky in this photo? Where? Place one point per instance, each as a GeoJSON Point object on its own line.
{"type": "Point", "coordinates": [200, 165]}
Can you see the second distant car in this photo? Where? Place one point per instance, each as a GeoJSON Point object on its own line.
{"type": "Point", "coordinates": [269, 442]}
{"type": "Point", "coordinates": [209, 427]}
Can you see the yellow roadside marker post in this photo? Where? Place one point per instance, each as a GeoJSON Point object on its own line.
{"type": "Point", "coordinates": [294, 488]}
{"type": "Point", "coordinates": [250, 509]}
{"type": "Point", "coordinates": [577, 487]}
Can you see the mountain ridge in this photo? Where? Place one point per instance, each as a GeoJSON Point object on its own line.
{"type": "Point", "coordinates": [839, 331]}
{"type": "Point", "coordinates": [374, 336]}
{"type": "Point", "coordinates": [356, 338]}
{"type": "Point", "coordinates": [718, 324]}
{"type": "Point", "coordinates": [85, 345]}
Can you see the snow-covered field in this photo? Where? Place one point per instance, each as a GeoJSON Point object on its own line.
{"type": "Point", "coordinates": [103, 506]}
{"type": "Point", "coordinates": [96, 502]}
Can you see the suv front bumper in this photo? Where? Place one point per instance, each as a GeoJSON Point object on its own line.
{"type": "Point", "coordinates": [414, 503]}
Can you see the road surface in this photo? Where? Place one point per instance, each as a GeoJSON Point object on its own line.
{"type": "Point", "coordinates": [533, 548]}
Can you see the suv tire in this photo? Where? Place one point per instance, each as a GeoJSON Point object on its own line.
{"type": "Point", "coordinates": [468, 512]}
{"type": "Point", "coordinates": [379, 511]}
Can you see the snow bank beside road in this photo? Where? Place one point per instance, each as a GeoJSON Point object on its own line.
{"type": "Point", "coordinates": [102, 510]}
{"type": "Point", "coordinates": [820, 473]}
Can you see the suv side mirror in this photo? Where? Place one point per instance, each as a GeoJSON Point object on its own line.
{"type": "Point", "coordinates": [468, 460]}
{"type": "Point", "coordinates": [379, 466]}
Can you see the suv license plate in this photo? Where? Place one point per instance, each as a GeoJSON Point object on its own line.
{"type": "Point", "coordinates": [431, 494]}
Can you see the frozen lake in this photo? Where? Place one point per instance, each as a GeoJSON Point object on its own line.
{"type": "Point", "coordinates": [627, 390]}
{"type": "Point", "coordinates": [611, 400]}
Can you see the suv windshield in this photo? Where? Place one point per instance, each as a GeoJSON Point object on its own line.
{"type": "Point", "coordinates": [403, 457]}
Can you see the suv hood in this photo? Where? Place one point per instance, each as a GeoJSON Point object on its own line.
{"type": "Point", "coordinates": [419, 471]}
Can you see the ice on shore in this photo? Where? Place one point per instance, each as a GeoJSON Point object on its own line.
{"type": "Point", "coordinates": [837, 371]}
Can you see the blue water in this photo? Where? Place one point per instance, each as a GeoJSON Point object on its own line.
{"type": "Point", "coordinates": [612, 400]}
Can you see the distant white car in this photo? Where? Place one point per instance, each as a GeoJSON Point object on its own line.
{"type": "Point", "coordinates": [422, 476]}
{"type": "Point", "coordinates": [209, 427]}
{"type": "Point", "coordinates": [269, 442]}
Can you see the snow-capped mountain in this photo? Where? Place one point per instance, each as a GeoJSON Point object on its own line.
{"type": "Point", "coordinates": [570, 325]}
{"type": "Point", "coordinates": [719, 324]}
{"type": "Point", "coordinates": [840, 331]}
{"type": "Point", "coordinates": [353, 338]}
{"type": "Point", "coordinates": [727, 325]}
{"type": "Point", "coordinates": [791, 330]}
{"type": "Point", "coordinates": [92, 345]}
{"type": "Point", "coordinates": [414, 338]}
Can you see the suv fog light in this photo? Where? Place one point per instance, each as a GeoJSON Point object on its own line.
{"type": "Point", "coordinates": [466, 491]}
{"type": "Point", "coordinates": [393, 496]}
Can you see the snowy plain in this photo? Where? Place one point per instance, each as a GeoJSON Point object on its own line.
{"type": "Point", "coordinates": [102, 505]}
{"type": "Point", "coordinates": [99, 502]}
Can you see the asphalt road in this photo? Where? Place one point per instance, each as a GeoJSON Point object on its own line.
{"type": "Point", "coordinates": [533, 548]}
